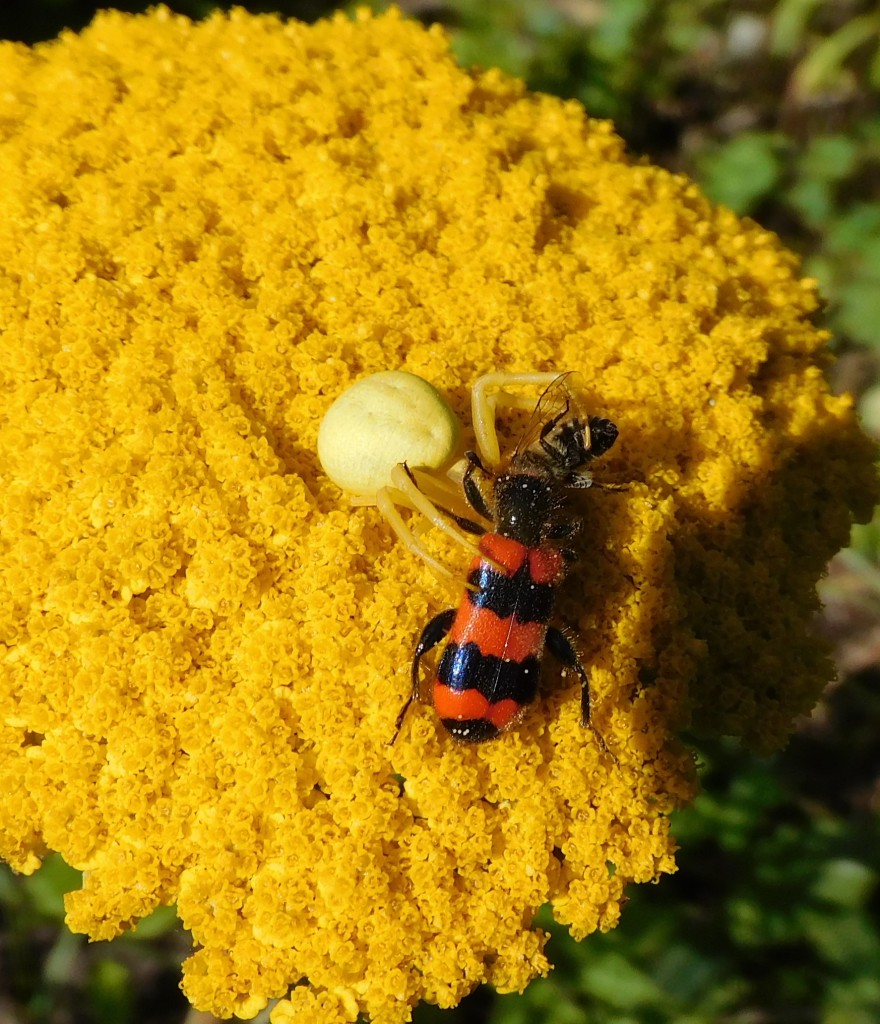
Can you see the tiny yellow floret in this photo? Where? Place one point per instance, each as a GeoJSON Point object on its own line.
{"type": "Point", "coordinates": [382, 420]}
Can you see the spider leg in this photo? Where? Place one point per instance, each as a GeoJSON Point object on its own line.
{"type": "Point", "coordinates": [387, 501]}
{"type": "Point", "coordinates": [484, 403]}
{"type": "Point", "coordinates": [405, 494]}
{"type": "Point", "coordinates": [405, 481]}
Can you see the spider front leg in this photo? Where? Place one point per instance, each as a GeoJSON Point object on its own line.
{"type": "Point", "coordinates": [408, 490]}
{"type": "Point", "coordinates": [487, 394]}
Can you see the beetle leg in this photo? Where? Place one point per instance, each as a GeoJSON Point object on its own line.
{"type": "Point", "coordinates": [563, 650]}
{"type": "Point", "coordinates": [566, 529]}
{"type": "Point", "coordinates": [471, 489]}
{"type": "Point", "coordinates": [432, 635]}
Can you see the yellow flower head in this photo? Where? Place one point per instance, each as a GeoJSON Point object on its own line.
{"type": "Point", "coordinates": [208, 232]}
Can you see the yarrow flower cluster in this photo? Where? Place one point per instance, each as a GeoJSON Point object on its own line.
{"type": "Point", "coordinates": [207, 232]}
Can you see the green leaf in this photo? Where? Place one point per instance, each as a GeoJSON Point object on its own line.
{"type": "Point", "coordinates": [619, 983]}
{"type": "Point", "coordinates": [613, 36]}
{"type": "Point", "coordinates": [10, 888]}
{"type": "Point", "coordinates": [846, 883]}
{"type": "Point", "coordinates": [865, 537]}
{"type": "Point", "coordinates": [858, 313]}
{"type": "Point", "coordinates": [853, 1000]}
{"type": "Point", "coordinates": [62, 962]}
{"type": "Point", "coordinates": [743, 171]}
{"type": "Point", "coordinates": [829, 158]}
{"type": "Point", "coordinates": [686, 974]}
{"type": "Point", "coordinates": [46, 888]}
{"type": "Point", "coordinates": [110, 993]}
{"type": "Point", "coordinates": [848, 941]}
{"type": "Point", "coordinates": [813, 200]}
{"type": "Point", "coordinates": [823, 64]}
{"type": "Point", "coordinates": [162, 921]}
{"type": "Point", "coordinates": [789, 25]}
{"type": "Point", "coordinates": [854, 228]}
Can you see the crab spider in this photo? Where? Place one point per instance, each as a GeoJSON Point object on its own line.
{"type": "Point", "coordinates": [427, 479]}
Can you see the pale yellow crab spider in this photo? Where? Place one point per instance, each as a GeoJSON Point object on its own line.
{"type": "Point", "coordinates": [392, 441]}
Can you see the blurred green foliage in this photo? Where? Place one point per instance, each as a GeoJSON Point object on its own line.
{"type": "Point", "coordinates": [53, 976]}
{"type": "Point", "coordinates": [774, 915]}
